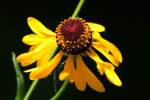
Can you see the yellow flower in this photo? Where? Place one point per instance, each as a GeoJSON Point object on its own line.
{"type": "Point", "coordinates": [75, 38]}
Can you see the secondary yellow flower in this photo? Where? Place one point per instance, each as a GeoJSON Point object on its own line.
{"type": "Point", "coordinates": [75, 38]}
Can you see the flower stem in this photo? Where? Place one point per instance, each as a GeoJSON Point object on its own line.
{"type": "Point", "coordinates": [78, 8]}
{"type": "Point", "coordinates": [60, 91]}
{"type": "Point", "coordinates": [19, 78]}
{"type": "Point", "coordinates": [33, 85]}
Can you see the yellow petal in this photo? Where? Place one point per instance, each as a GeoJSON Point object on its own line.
{"type": "Point", "coordinates": [96, 36]}
{"type": "Point", "coordinates": [106, 54]}
{"type": "Point", "coordinates": [114, 50]}
{"type": "Point", "coordinates": [28, 58]}
{"type": "Point", "coordinates": [46, 69]}
{"type": "Point", "coordinates": [63, 75]}
{"type": "Point", "coordinates": [80, 81]}
{"type": "Point", "coordinates": [111, 47]}
{"type": "Point", "coordinates": [92, 54]}
{"type": "Point", "coordinates": [38, 28]}
{"type": "Point", "coordinates": [112, 77]}
{"type": "Point", "coordinates": [33, 39]}
{"type": "Point", "coordinates": [91, 79]}
{"type": "Point", "coordinates": [69, 70]}
{"type": "Point", "coordinates": [46, 54]}
{"type": "Point", "coordinates": [96, 27]}
{"type": "Point", "coordinates": [107, 65]}
{"type": "Point", "coordinates": [30, 70]}
{"type": "Point", "coordinates": [99, 67]}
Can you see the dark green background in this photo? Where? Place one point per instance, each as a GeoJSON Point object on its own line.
{"type": "Point", "coordinates": [127, 24]}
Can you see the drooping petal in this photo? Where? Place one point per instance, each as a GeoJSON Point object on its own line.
{"type": "Point", "coordinates": [112, 77]}
{"type": "Point", "coordinates": [33, 39]}
{"type": "Point", "coordinates": [46, 69]}
{"type": "Point", "coordinates": [96, 27]}
{"type": "Point", "coordinates": [111, 47]}
{"type": "Point", "coordinates": [114, 50]}
{"type": "Point", "coordinates": [28, 58]}
{"type": "Point", "coordinates": [96, 36]}
{"type": "Point", "coordinates": [92, 54]}
{"type": "Point", "coordinates": [38, 28]}
{"type": "Point", "coordinates": [107, 65]}
{"type": "Point", "coordinates": [80, 81]}
{"type": "Point", "coordinates": [110, 57]}
{"type": "Point", "coordinates": [91, 79]}
{"type": "Point", "coordinates": [69, 69]}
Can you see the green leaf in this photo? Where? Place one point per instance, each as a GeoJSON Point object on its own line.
{"type": "Point", "coordinates": [19, 78]}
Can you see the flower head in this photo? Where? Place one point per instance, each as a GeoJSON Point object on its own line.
{"type": "Point", "coordinates": [76, 38]}
{"type": "Point", "coordinates": [74, 35]}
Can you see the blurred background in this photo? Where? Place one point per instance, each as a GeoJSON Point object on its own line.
{"type": "Point", "coordinates": [127, 24]}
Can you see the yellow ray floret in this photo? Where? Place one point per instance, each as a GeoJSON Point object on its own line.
{"type": "Point", "coordinates": [110, 47]}
{"type": "Point", "coordinates": [112, 77]}
{"type": "Point", "coordinates": [90, 78]}
{"type": "Point", "coordinates": [92, 54]}
{"type": "Point", "coordinates": [45, 69]}
{"type": "Point", "coordinates": [34, 39]}
{"type": "Point", "coordinates": [105, 67]}
{"type": "Point", "coordinates": [96, 27]}
{"type": "Point", "coordinates": [28, 58]}
{"type": "Point", "coordinates": [69, 70]}
{"type": "Point", "coordinates": [109, 56]}
{"type": "Point", "coordinates": [38, 28]}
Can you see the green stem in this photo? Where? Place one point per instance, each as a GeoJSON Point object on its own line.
{"type": "Point", "coordinates": [60, 91]}
{"type": "Point", "coordinates": [78, 8]}
{"type": "Point", "coordinates": [28, 94]}
{"type": "Point", "coordinates": [19, 78]}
